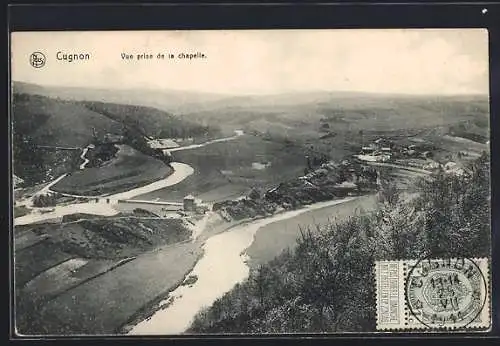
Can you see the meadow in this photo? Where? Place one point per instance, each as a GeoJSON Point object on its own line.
{"type": "Point", "coordinates": [225, 169]}
{"type": "Point", "coordinates": [79, 259]}
{"type": "Point", "coordinates": [129, 169]}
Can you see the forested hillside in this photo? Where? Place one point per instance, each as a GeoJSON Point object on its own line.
{"type": "Point", "coordinates": [326, 284]}
{"type": "Point", "coordinates": [49, 134]}
{"type": "Point", "coordinates": [150, 121]}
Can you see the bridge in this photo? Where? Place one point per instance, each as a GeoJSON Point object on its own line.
{"type": "Point", "coordinates": [138, 201]}
{"type": "Point", "coordinates": [106, 200]}
{"type": "Point", "coordinates": [57, 148]}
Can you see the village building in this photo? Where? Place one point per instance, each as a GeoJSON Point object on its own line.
{"type": "Point", "coordinates": [431, 165]}
{"type": "Point", "coordinates": [450, 165]}
{"type": "Point", "coordinates": [162, 143]}
{"type": "Point", "coordinates": [189, 203]}
{"type": "Point", "coordinates": [110, 138]}
{"type": "Point", "coordinates": [166, 153]}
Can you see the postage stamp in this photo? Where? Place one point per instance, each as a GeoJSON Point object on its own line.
{"type": "Point", "coordinates": [433, 294]}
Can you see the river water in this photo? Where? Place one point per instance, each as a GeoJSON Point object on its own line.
{"type": "Point", "coordinates": [181, 172]}
{"type": "Point", "coordinates": [194, 146]}
{"type": "Point", "coordinates": [223, 265]}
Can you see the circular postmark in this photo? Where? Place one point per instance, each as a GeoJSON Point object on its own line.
{"type": "Point", "coordinates": [445, 293]}
{"type": "Point", "coordinates": [37, 59]}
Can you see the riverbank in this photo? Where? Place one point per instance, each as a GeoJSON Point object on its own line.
{"type": "Point", "coordinates": [181, 172]}
{"type": "Point", "coordinates": [128, 168]}
{"type": "Point", "coordinates": [274, 238]}
{"type": "Point", "coordinates": [223, 265]}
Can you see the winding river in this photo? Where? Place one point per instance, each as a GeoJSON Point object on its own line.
{"type": "Point", "coordinates": [223, 265]}
{"type": "Point", "coordinates": [181, 172]}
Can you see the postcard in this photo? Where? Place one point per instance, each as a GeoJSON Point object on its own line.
{"type": "Point", "coordinates": [251, 182]}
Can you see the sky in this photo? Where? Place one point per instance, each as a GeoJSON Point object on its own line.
{"type": "Point", "coordinates": [409, 61]}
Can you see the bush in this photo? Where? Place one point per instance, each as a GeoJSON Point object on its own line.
{"type": "Point", "coordinates": [48, 200]}
{"type": "Point", "coordinates": [325, 283]}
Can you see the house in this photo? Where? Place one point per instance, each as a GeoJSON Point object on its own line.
{"type": "Point", "coordinates": [166, 153]}
{"type": "Point", "coordinates": [112, 138]}
{"type": "Point", "coordinates": [432, 165]}
{"type": "Point", "coordinates": [189, 203]}
{"type": "Point", "coordinates": [162, 143]}
{"type": "Point", "coordinates": [367, 150]}
{"type": "Point", "coordinates": [450, 165]}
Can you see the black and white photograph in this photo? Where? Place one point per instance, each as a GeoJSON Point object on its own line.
{"type": "Point", "coordinates": [249, 182]}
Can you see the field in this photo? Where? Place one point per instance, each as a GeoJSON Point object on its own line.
{"type": "Point", "coordinates": [98, 275]}
{"type": "Point", "coordinates": [81, 258]}
{"type": "Point", "coordinates": [274, 238]}
{"type": "Point", "coordinates": [55, 122]}
{"type": "Point", "coordinates": [228, 169]}
{"type": "Point", "coordinates": [105, 303]}
{"type": "Point", "coordinates": [129, 169]}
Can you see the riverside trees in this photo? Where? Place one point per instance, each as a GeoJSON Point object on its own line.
{"type": "Point", "coordinates": [326, 283]}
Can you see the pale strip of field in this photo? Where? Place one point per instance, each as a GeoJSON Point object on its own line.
{"type": "Point", "coordinates": [194, 146]}
{"type": "Point", "coordinates": [68, 275]}
{"type": "Point", "coordinates": [27, 239]}
{"type": "Point", "coordinates": [123, 291]}
{"type": "Point", "coordinates": [466, 141]}
{"type": "Point", "coordinates": [56, 278]}
{"type": "Point", "coordinates": [272, 239]}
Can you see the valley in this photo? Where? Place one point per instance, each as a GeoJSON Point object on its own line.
{"type": "Point", "coordinates": [120, 247]}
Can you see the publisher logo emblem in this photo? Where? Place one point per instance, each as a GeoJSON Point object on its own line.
{"type": "Point", "coordinates": [37, 59]}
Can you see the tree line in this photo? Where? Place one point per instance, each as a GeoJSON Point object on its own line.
{"type": "Point", "coordinates": [326, 283]}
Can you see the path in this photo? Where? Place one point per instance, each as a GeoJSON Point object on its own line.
{"type": "Point", "coordinates": [86, 161]}
{"type": "Point", "coordinates": [181, 172]}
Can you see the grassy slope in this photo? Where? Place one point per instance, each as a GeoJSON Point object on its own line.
{"type": "Point", "coordinates": [57, 122]}
{"type": "Point", "coordinates": [103, 242]}
{"type": "Point", "coordinates": [129, 169]}
{"type": "Point", "coordinates": [229, 164]}
{"type": "Point", "coordinates": [150, 121]}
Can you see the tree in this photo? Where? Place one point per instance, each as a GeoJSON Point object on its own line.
{"type": "Point", "coordinates": [47, 200]}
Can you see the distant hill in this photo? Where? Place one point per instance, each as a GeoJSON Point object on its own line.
{"type": "Point", "coordinates": [59, 122]}
{"type": "Point", "coordinates": [56, 122]}
{"type": "Point", "coordinates": [296, 113]}
{"type": "Point", "coordinates": [149, 121]}
{"type": "Point", "coordinates": [41, 121]}
{"type": "Point", "coordinates": [168, 100]}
